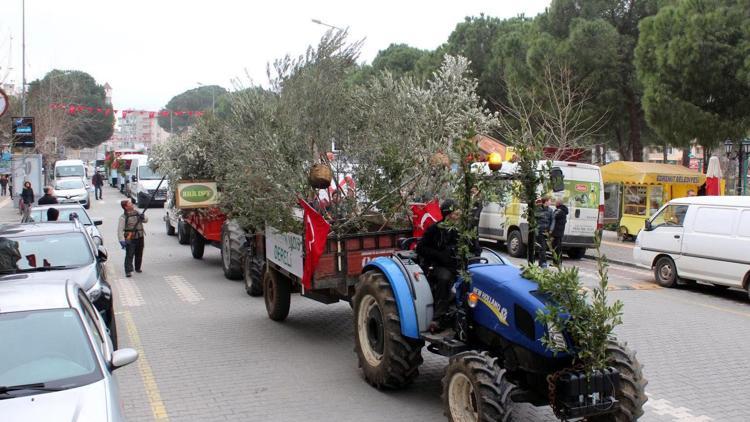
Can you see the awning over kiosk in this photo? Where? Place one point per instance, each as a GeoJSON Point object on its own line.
{"type": "Point", "coordinates": [632, 172]}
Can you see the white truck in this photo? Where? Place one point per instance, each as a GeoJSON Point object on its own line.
{"type": "Point", "coordinates": [583, 195]}
{"type": "Point", "coordinates": [143, 182]}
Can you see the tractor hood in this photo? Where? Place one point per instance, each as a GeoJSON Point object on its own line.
{"type": "Point", "coordinates": [508, 304]}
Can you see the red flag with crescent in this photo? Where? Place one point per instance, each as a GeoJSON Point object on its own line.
{"type": "Point", "coordinates": [425, 215]}
{"type": "Point", "coordinates": [316, 233]}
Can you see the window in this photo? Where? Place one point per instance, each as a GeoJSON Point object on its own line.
{"type": "Point", "coordinates": [58, 250]}
{"type": "Point", "coordinates": [91, 321]}
{"type": "Point", "coordinates": [714, 220]}
{"type": "Point", "coordinates": [635, 200]}
{"type": "Point", "coordinates": [671, 215]}
{"type": "Point", "coordinates": [655, 199]}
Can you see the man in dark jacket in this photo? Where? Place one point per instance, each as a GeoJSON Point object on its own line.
{"type": "Point", "coordinates": [438, 253]}
{"type": "Point", "coordinates": [49, 197]}
{"type": "Point", "coordinates": [544, 221]}
{"type": "Point", "coordinates": [98, 182]}
{"type": "Point", "coordinates": [558, 229]}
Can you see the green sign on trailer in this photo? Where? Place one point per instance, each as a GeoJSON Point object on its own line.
{"type": "Point", "coordinates": [196, 194]}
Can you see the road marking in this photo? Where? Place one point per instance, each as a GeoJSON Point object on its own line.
{"type": "Point", "coordinates": [147, 375]}
{"type": "Point", "coordinates": [716, 308]}
{"type": "Point", "coordinates": [664, 407]}
{"type": "Point", "coordinates": [130, 294]}
{"type": "Point", "coordinates": [185, 291]}
{"type": "Point", "coordinates": [619, 245]}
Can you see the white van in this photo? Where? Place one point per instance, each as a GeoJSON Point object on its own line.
{"type": "Point", "coordinates": [70, 168]}
{"type": "Point", "coordinates": [700, 238]}
{"type": "Point", "coordinates": [128, 170]}
{"type": "Point", "coordinates": [144, 181]}
{"type": "Point", "coordinates": [583, 195]}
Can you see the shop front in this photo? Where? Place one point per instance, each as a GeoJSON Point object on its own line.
{"type": "Point", "coordinates": [635, 191]}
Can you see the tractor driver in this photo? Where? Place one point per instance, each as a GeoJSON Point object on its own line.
{"type": "Point", "coordinates": [438, 254]}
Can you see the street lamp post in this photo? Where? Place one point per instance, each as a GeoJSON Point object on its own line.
{"type": "Point", "coordinates": [319, 22]}
{"type": "Point", "coordinates": [742, 153]}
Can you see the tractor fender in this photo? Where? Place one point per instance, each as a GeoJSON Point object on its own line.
{"type": "Point", "coordinates": [411, 290]}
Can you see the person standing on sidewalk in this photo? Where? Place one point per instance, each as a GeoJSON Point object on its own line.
{"type": "Point", "coordinates": [4, 185]}
{"type": "Point", "coordinates": [558, 229]}
{"type": "Point", "coordinates": [130, 234]}
{"type": "Point", "coordinates": [544, 221]}
{"type": "Point", "coordinates": [98, 182]}
{"type": "Point", "coordinates": [27, 199]}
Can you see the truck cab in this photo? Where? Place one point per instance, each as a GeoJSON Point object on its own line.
{"type": "Point", "coordinates": [143, 183]}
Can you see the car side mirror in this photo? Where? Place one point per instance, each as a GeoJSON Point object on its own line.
{"type": "Point", "coordinates": [649, 227]}
{"type": "Point", "coordinates": [98, 222]}
{"type": "Point", "coordinates": [123, 357]}
{"type": "Point", "coordinates": [102, 253]}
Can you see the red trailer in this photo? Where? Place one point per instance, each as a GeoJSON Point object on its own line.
{"type": "Point", "coordinates": [210, 226]}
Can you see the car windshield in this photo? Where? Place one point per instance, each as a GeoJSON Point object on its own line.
{"type": "Point", "coordinates": [40, 215]}
{"type": "Point", "coordinates": [69, 184]}
{"type": "Point", "coordinates": [48, 251]}
{"type": "Point", "coordinates": [65, 171]}
{"type": "Point", "coordinates": [49, 347]}
{"type": "Point", "coordinates": [147, 174]}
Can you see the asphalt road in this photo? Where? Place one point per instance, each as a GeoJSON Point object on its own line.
{"type": "Point", "coordinates": [210, 353]}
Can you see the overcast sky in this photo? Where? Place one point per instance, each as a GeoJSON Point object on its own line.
{"type": "Point", "coordinates": [151, 50]}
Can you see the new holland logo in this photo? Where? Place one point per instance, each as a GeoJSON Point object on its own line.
{"type": "Point", "coordinates": [497, 309]}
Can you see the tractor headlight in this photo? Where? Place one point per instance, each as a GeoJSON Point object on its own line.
{"type": "Point", "coordinates": [556, 337]}
{"type": "Point", "coordinates": [472, 300]}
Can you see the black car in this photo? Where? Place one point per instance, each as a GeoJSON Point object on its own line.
{"type": "Point", "coordinates": [58, 251]}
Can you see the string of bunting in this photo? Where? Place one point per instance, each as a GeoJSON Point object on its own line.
{"type": "Point", "coordinates": [72, 109]}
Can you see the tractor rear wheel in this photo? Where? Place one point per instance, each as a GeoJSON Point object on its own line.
{"type": "Point", "coordinates": [197, 244]}
{"type": "Point", "coordinates": [253, 268]}
{"type": "Point", "coordinates": [387, 358]}
{"type": "Point", "coordinates": [183, 232]}
{"type": "Point", "coordinates": [170, 229]}
{"type": "Point", "coordinates": [277, 292]}
{"type": "Point", "coordinates": [232, 245]}
{"type": "Point", "coordinates": [632, 393]}
{"type": "Point", "coordinates": [476, 389]}
{"type": "Point", "coordinates": [516, 248]}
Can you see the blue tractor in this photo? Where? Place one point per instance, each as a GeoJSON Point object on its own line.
{"type": "Point", "coordinates": [496, 353]}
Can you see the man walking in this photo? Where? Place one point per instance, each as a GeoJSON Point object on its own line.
{"type": "Point", "coordinates": [130, 234]}
{"type": "Point", "coordinates": [4, 185]}
{"type": "Point", "coordinates": [49, 196]}
{"type": "Point", "coordinates": [98, 182]}
{"type": "Point", "coordinates": [558, 229]}
{"type": "Point", "coordinates": [544, 219]}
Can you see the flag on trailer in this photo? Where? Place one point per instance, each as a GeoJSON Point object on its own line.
{"type": "Point", "coordinates": [316, 233]}
{"type": "Point", "coordinates": [425, 215]}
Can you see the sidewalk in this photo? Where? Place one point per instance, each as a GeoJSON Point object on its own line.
{"type": "Point", "coordinates": [8, 214]}
{"type": "Point", "coordinates": [617, 252]}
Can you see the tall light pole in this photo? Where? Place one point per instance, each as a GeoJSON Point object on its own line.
{"type": "Point", "coordinates": [319, 22]}
{"type": "Point", "coordinates": [23, 57]}
{"type": "Point", "coordinates": [213, 97]}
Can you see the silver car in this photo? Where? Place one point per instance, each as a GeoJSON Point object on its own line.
{"type": "Point", "coordinates": [56, 361]}
{"type": "Point", "coordinates": [38, 214]}
{"type": "Point", "coordinates": [72, 189]}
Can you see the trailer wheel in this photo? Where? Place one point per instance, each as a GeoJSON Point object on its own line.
{"type": "Point", "coordinates": [170, 229]}
{"type": "Point", "coordinates": [232, 245]}
{"type": "Point", "coordinates": [197, 244]}
{"type": "Point", "coordinates": [183, 232]}
{"type": "Point", "coordinates": [516, 248]}
{"type": "Point", "coordinates": [277, 292]}
{"type": "Point", "coordinates": [632, 393]}
{"type": "Point", "coordinates": [475, 388]}
{"type": "Point", "coordinates": [387, 358]}
{"type": "Point", "coordinates": [253, 267]}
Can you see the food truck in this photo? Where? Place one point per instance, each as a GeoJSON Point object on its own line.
{"type": "Point", "coordinates": [634, 191]}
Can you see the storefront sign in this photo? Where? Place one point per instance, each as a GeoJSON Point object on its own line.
{"type": "Point", "coordinates": [196, 194]}
{"type": "Point", "coordinates": [667, 178]}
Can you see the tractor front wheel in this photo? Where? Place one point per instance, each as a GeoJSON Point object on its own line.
{"type": "Point", "coordinates": [632, 393]}
{"type": "Point", "coordinates": [388, 359]}
{"type": "Point", "coordinates": [232, 245]}
{"type": "Point", "coordinates": [253, 273]}
{"type": "Point", "coordinates": [476, 389]}
{"type": "Point", "coordinates": [197, 244]}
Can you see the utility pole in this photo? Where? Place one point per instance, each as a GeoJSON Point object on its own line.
{"type": "Point", "coordinates": [23, 57]}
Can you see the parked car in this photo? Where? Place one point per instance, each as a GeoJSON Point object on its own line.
{"type": "Point", "coordinates": [62, 250]}
{"type": "Point", "coordinates": [39, 214]}
{"type": "Point", "coordinates": [70, 168]}
{"type": "Point", "coordinates": [72, 189]}
{"type": "Point", "coordinates": [56, 362]}
{"type": "Point", "coordinates": [702, 238]}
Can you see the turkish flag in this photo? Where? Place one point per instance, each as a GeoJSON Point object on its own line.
{"type": "Point", "coordinates": [316, 234]}
{"type": "Point", "coordinates": [425, 215]}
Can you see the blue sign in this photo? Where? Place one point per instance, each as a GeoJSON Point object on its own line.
{"type": "Point", "coordinates": [22, 130]}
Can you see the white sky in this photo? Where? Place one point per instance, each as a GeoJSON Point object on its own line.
{"type": "Point", "coordinates": [151, 50]}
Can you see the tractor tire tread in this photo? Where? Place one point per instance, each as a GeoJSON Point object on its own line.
{"type": "Point", "coordinates": [632, 393]}
{"type": "Point", "coordinates": [253, 268]}
{"type": "Point", "coordinates": [236, 249]}
{"type": "Point", "coordinates": [493, 389]}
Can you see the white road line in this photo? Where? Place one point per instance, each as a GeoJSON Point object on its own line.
{"type": "Point", "coordinates": [664, 407]}
{"type": "Point", "coordinates": [185, 291]}
{"type": "Point", "coordinates": [129, 293]}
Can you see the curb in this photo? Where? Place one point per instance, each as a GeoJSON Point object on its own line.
{"type": "Point", "coordinates": [614, 261]}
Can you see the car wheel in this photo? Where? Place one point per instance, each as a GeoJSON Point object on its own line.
{"type": "Point", "coordinates": [665, 272]}
{"type": "Point", "coordinates": [516, 248]}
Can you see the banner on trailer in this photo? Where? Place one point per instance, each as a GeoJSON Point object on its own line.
{"type": "Point", "coordinates": [196, 194]}
{"type": "Point", "coordinates": [285, 250]}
